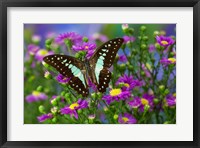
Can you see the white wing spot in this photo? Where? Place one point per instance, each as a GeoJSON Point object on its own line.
{"type": "Point", "coordinates": [107, 75]}
{"type": "Point", "coordinates": [113, 52]}
{"type": "Point", "coordinates": [115, 45]}
{"type": "Point", "coordinates": [104, 82]}
{"type": "Point", "coordinates": [69, 61]}
{"type": "Point", "coordinates": [110, 41]}
{"type": "Point", "coordinates": [76, 85]}
{"type": "Point", "coordinates": [61, 57]}
{"type": "Point", "coordinates": [109, 45]}
{"type": "Point", "coordinates": [83, 91]}
{"type": "Point", "coordinates": [105, 45]}
{"type": "Point", "coordinates": [79, 89]}
{"type": "Point", "coordinates": [114, 42]}
{"type": "Point", "coordinates": [105, 78]}
{"type": "Point", "coordinates": [72, 84]}
{"type": "Point", "coordinates": [119, 40]}
{"type": "Point", "coordinates": [102, 87]}
{"type": "Point", "coordinates": [52, 58]}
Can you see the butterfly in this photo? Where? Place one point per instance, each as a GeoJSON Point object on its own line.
{"type": "Point", "coordinates": [96, 68]}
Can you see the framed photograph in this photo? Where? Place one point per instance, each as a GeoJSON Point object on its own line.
{"type": "Point", "coordinates": [105, 73]}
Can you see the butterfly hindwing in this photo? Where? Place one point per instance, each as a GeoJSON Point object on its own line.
{"type": "Point", "coordinates": [72, 68]}
{"type": "Point", "coordinates": [103, 59]}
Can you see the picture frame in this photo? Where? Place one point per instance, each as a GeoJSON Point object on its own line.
{"type": "Point", "coordinates": [100, 3]}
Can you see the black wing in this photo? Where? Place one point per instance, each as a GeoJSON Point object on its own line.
{"type": "Point", "coordinates": [72, 68]}
{"type": "Point", "coordinates": [103, 59]}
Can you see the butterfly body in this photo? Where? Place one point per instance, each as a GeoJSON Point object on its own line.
{"type": "Point", "coordinates": [96, 68]}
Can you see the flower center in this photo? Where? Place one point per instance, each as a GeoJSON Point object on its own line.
{"type": "Point", "coordinates": [144, 101]}
{"type": "Point", "coordinates": [164, 42]}
{"type": "Point", "coordinates": [126, 84]}
{"type": "Point", "coordinates": [115, 92]}
{"type": "Point", "coordinates": [125, 119]}
{"type": "Point", "coordinates": [173, 60]}
{"type": "Point", "coordinates": [86, 47]}
{"type": "Point", "coordinates": [72, 106]}
{"type": "Point", "coordinates": [36, 93]}
{"type": "Point", "coordinates": [43, 52]}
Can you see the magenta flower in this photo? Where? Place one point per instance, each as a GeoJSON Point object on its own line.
{"type": "Point", "coordinates": [88, 47]}
{"type": "Point", "coordinates": [127, 119]}
{"type": "Point", "coordinates": [62, 79]}
{"type": "Point", "coordinates": [128, 39]}
{"type": "Point", "coordinates": [122, 58]}
{"type": "Point", "coordinates": [170, 100]}
{"type": "Point", "coordinates": [72, 36]}
{"type": "Point", "coordinates": [36, 96]}
{"type": "Point", "coordinates": [33, 49]}
{"type": "Point", "coordinates": [129, 82]}
{"type": "Point", "coordinates": [116, 95]}
{"type": "Point", "coordinates": [44, 117]}
{"type": "Point", "coordinates": [135, 103]}
{"type": "Point", "coordinates": [42, 53]}
{"type": "Point", "coordinates": [168, 61]}
{"type": "Point", "coordinates": [152, 48]}
{"type": "Point", "coordinates": [164, 41]}
{"type": "Point", "coordinates": [72, 109]}
{"type": "Point", "coordinates": [147, 100]}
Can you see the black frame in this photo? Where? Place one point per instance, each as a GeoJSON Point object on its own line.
{"type": "Point", "coordinates": [99, 3]}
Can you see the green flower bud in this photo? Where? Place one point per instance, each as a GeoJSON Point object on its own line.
{"type": "Point", "coordinates": [166, 92]}
{"type": "Point", "coordinates": [115, 117]}
{"type": "Point", "coordinates": [41, 109]}
{"type": "Point", "coordinates": [162, 32]}
{"type": "Point", "coordinates": [68, 43]}
{"type": "Point", "coordinates": [156, 101]}
{"type": "Point", "coordinates": [105, 109]}
{"type": "Point", "coordinates": [67, 95]}
{"type": "Point", "coordinates": [80, 111]}
{"type": "Point", "coordinates": [77, 55]}
{"type": "Point", "coordinates": [161, 88]}
{"type": "Point", "coordinates": [122, 67]}
{"type": "Point", "coordinates": [39, 88]}
{"type": "Point", "coordinates": [117, 57]}
{"type": "Point", "coordinates": [143, 28]}
{"type": "Point", "coordinates": [54, 120]}
{"type": "Point", "coordinates": [123, 46]}
{"type": "Point", "coordinates": [158, 47]}
{"type": "Point", "coordinates": [143, 46]}
{"type": "Point", "coordinates": [130, 30]}
{"type": "Point", "coordinates": [156, 33]}
{"type": "Point", "coordinates": [45, 64]}
{"type": "Point", "coordinates": [47, 75]}
{"type": "Point", "coordinates": [54, 110]}
{"type": "Point", "coordinates": [94, 95]}
{"type": "Point", "coordinates": [48, 41]}
{"type": "Point", "coordinates": [85, 39]}
{"type": "Point", "coordinates": [58, 98]}
{"type": "Point", "coordinates": [145, 38]}
{"type": "Point", "coordinates": [99, 95]}
{"type": "Point", "coordinates": [146, 108]}
{"type": "Point", "coordinates": [171, 54]}
{"type": "Point", "coordinates": [130, 68]}
{"type": "Point", "coordinates": [54, 102]}
{"type": "Point", "coordinates": [62, 93]}
{"type": "Point", "coordinates": [167, 122]}
{"type": "Point", "coordinates": [142, 73]}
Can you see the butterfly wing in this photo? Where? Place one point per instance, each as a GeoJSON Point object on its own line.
{"type": "Point", "coordinates": [103, 59]}
{"type": "Point", "coordinates": [72, 68]}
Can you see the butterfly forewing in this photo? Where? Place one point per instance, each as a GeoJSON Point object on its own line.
{"type": "Point", "coordinates": [72, 68]}
{"type": "Point", "coordinates": [103, 59]}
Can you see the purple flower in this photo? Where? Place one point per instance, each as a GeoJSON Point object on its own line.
{"type": "Point", "coordinates": [88, 47]}
{"type": "Point", "coordinates": [92, 85]}
{"type": "Point", "coordinates": [72, 109]}
{"type": "Point", "coordinates": [36, 96]}
{"type": "Point", "coordinates": [170, 100]}
{"type": "Point", "coordinates": [135, 103]}
{"type": "Point", "coordinates": [128, 39]}
{"type": "Point", "coordinates": [122, 58]}
{"type": "Point", "coordinates": [42, 53]}
{"type": "Point", "coordinates": [62, 79]}
{"type": "Point", "coordinates": [116, 95]}
{"type": "Point", "coordinates": [100, 37]}
{"type": "Point", "coordinates": [44, 117]}
{"type": "Point", "coordinates": [147, 100]}
{"type": "Point", "coordinates": [164, 41]}
{"type": "Point", "coordinates": [127, 119]}
{"type": "Point", "coordinates": [129, 82]}
{"type": "Point", "coordinates": [72, 36]}
{"type": "Point", "coordinates": [152, 48]}
{"type": "Point", "coordinates": [168, 61]}
{"type": "Point", "coordinates": [33, 49]}
{"type": "Point", "coordinates": [36, 38]}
